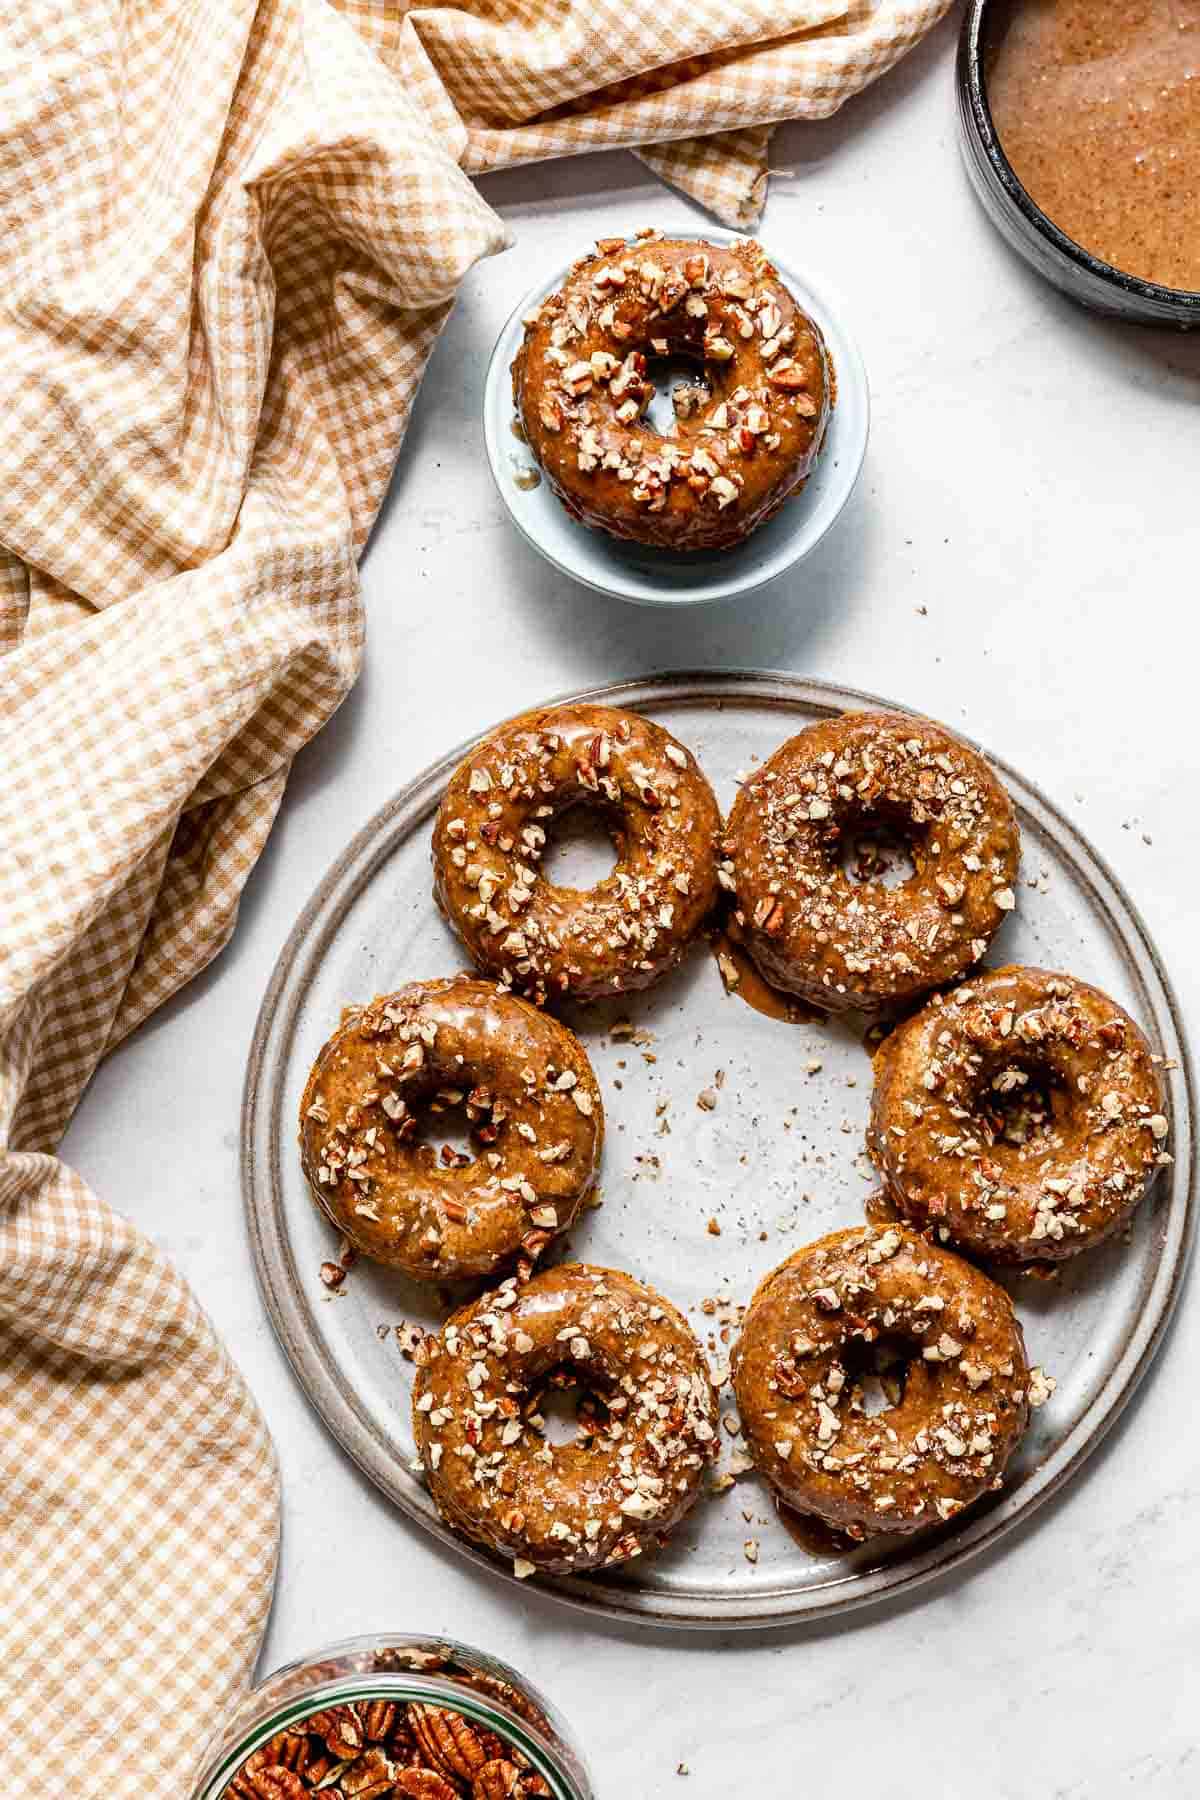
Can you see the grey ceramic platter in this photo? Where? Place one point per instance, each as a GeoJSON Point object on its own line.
{"type": "Point", "coordinates": [776, 1162]}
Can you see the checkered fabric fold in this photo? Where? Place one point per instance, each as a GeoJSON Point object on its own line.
{"type": "Point", "coordinates": [233, 230]}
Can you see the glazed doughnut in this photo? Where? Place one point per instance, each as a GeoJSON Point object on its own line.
{"type": "Point", "coordinates": [532, 1102]}
{"type": "Point", "coordinates": [491, 833]}
{"type": "Point", "coordinates": [746, 433]}
{"type": "Point", "coordinates": [635, 1468]}
{"type": "Point", "coordinates": [842, 944]}
{"type": "Point", "coordinates": [817, 1328]}
{"type": "Point", "coordinates": [1020, 1115]}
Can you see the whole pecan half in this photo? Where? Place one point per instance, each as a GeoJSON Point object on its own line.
{"type": "Point", "coordinates": [371, 1776]}
{"type": "Point", "coordinates": [402, 1747]}
{"type": "Point", "coordinates": [424, 1784]}
{"type": "Point", "coordinates": [291, 1749]}
{"type": "Point", "coordinates": [240, 1787]}
{"type": "Point", "coordinates": [339, 1730]}
{"type": "Point", "coordinates": [272, 1782]}
{"type": "Point", "coordinates": [497, 1781]}
{"type": "Point", "coordinates": [503, 1690]}
{"type": "Point", "coordinates": [448, 1741]}
{"type": "Point", "coordinates": [377, 1718]}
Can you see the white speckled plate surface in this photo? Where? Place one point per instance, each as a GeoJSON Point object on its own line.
{"type": "Point", "coordinates": [654, 577]}
{"type": "Point", "coordinates": [777, 1162]}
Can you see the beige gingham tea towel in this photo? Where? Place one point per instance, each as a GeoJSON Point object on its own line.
{"type": "Point", "coordinates": [230, 232]}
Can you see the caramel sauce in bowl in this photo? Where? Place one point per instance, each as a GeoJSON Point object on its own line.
{"type": "Point", "coordinates": [1080, 124]}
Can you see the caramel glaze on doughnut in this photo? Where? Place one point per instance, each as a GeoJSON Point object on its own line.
{"type": "Point", "coordinates": [842, 944]}
{"type": "Point", "coordinates": [636, 1466]}
{"type": "Point", "coordinates": [1020, 1115]}
{"type": "Point", "coordinates": [746, 433]}
{"type": "Point", "coordinates": [491, 833]}
{"type": "Point", "coordinates": [816, 1325]}
{"type": "Point", "coordinates": [532, 1102]}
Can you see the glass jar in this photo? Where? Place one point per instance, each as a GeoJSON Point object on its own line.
{"type": "Point", "coordinates": [487, 1696]}
{"type": "Point", "coordinates": [1022, 222]}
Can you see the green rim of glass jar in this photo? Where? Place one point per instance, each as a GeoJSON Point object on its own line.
{"type": "Point", "coordinates": [340, 1690]}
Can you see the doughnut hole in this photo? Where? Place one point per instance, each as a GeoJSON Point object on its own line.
{"type": "Point", "coordinates": [569, 1409]}
{"type": "Point", "coordinates": [877, 1374]}
{"type": "Point", "coordinates": [1023, 1107]}
{"type": "Point", "coordinates": [879, 852]}
{"type": "Point", "coordinates": [565, 1401]}
{"type": "Point", "coordinates": [584, 843]}
{"type": "Point", "coordinates": [679, 391]}
{"type": "Point", "coordinates": [682, 388]}
{"type": "Point", "coordinates": [881, 1376]}
{"type": "Point", "coordinates": [448, 1128]}
{"type": "Point", "coordinates": [690, 398]}
{"type": "Point", "coordinates": [444, 1131]}
{"type": "Point", "coordinates": [1022, 1104]}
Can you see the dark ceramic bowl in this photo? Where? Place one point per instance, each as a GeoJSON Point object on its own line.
{"type": "Point", "coordinates": [1035, 237]}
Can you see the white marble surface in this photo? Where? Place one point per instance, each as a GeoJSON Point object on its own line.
{"type": "Point", "coordinates": [1020, 561]}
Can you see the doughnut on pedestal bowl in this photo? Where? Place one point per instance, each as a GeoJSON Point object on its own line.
{"type": "Point", "coordinates": [651, 574]}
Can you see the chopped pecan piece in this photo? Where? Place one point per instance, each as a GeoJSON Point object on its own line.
{"type": "Point", "coordinates": [787, 375]}
{"type": "Point", "coordinates": [768, 915]}
{"type": "Point", "coordinates": [578, 378]}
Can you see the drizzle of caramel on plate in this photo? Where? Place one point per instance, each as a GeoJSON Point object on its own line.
{"type": "Point", "coordinates": [814, 1537]}
{"type": "Point", "coordinates": [742, 978]}
{"type": "Point", "coordinates": [880, 1209]}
